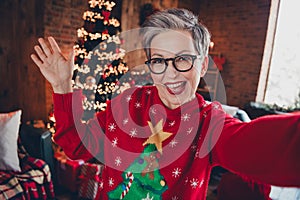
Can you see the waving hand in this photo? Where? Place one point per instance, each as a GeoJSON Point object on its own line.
{"type": "Point", "coordinates": [53, 65]}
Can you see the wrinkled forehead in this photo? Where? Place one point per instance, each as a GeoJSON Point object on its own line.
{"type": "Point", "coordinates": [173, 42]}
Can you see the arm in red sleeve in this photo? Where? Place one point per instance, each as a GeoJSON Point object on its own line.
{"type": "Point", "coordinates": [78, 140]}
{"type": "Point", "coordinates": [266, 149]}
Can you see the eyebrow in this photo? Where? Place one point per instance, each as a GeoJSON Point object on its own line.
{"type": "Point", "coordinates": [179, 53]}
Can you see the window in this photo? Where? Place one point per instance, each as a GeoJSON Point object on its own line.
{"type": "Point", "coordinates": [280, 74]}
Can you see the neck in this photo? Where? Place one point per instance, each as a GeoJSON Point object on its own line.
{"type": "Point", "coordinates": [173, 105]}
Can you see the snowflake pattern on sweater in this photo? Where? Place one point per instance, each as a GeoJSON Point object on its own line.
{"type": "Point", "coordinates": [202, 135]}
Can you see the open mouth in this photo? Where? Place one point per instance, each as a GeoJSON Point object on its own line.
{"type": "Point", "coordinates": [175, 88]}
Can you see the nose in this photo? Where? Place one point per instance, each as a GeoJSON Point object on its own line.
{"type": "Point", "coordinates": [170, 71]}
{"type": "Point", "coordinates": [172, 61]}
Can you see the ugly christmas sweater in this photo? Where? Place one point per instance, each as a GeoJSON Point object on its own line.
{"type": "Point", "coordinates": [153, 152]}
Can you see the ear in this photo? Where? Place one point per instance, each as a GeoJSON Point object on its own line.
{"type": "Point", "coordinates": [204, 66]}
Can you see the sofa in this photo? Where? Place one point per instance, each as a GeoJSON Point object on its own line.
{"type": "Point", "coordinates": [33, 181]}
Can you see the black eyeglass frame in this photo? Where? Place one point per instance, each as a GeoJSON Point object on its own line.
{"type": "Point", "coordinates": [166, 60]}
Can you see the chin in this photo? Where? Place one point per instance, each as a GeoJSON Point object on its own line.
{"type": "Point", "coordinates": [171, 100]}
{"type": "Point", "coordinates": [178, 100]}
{"type": "Point", "coordinates": [184, 97]}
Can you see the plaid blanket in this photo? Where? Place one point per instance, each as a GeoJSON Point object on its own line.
{"type": "Point", "coordinates": [33, 182]}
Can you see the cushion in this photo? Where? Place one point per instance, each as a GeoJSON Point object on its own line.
{"type": "Point", "coordinates": [9, 128]}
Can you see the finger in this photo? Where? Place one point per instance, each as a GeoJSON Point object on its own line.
{"type": "Point", "coordinates": [54, 45]}
{"type": "Point", "coordinates": [40, 53]}
{"type": "Point", "coordinates": [71, 57]}
{"type": "Point", "coordinates": [36, 60]}
{"type": "Point", "coordinates": [45, 47]}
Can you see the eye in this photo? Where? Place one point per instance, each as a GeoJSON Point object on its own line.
{"type": "Point", "coordinates": [157, 61]}
{"type": "Point", "coordinates": [186, 58]}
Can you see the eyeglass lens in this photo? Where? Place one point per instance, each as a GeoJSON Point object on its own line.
{"type": "Point", "coordinates": [182, 63]}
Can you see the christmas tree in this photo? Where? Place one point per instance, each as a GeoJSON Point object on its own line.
{"type": "Point", "coordinates": [142, 179]}
{"type": "Point", "coordinates": [99, 57]}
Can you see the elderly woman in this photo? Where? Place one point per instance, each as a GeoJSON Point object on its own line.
{"type": "Point", "coordinates": [161, 141]}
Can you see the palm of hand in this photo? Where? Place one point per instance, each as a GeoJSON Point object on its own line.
{"type": "Point", "coordinates": [54, 66]}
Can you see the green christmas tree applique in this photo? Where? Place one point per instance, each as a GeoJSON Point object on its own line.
{"type": "Point", "coordinates": [142, 179]}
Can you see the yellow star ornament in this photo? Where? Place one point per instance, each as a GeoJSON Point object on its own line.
{"type": "Point", "coordinates": [158, 135]}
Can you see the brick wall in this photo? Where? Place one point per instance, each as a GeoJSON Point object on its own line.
{"type": "Point", "coordinates": [238, 30]}
{"type": "Point", "coordinates": [135, 56]}
{"type": "Point", "coordinates": [62, 18]}
{"type": "Point", "coordinates": [130, 20]}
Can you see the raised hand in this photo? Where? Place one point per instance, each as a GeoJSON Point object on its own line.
{"type": "Point", "coordinates": [57, 69]}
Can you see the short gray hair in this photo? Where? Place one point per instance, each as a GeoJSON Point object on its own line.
{"type": "Point", "coordinates": [175, 19]}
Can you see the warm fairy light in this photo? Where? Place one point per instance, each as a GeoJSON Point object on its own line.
{"type": "Point", "coordinates": [95, 36]}
{"type": "Point", "coordinates": [84, 69]}
{"type": "Point", "coordinates": [52, 118]}
{"type": "Point", "coordinates": [99, 58]}
{"type": "Point", "coordinates": [211, 45]}
{"type": "Point", "coordinates": [82, 33]}
{"type": "Point", "coordinates": [92, 16]}
{"type": "Point", "coordinates": [115, 39]}
{"type": "Point", "coordinates": [105, 36]}
{"type": "Point", "coordinates": [98, 69]}
{"type": "Point", "coordinates": [114, 22]}
{"type": "Point", "coordinates": [100, 3]}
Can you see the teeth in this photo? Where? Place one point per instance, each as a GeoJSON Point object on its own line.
{"type": "Point", "coordinates": [173, 85]}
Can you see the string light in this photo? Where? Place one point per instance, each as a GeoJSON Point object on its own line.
{"type": "Point", "coordinates": [81, 33]}
{"type": "Point", "coordinates": [100, 3]}
{"type": "Point", "coordinates": [95, 36]}
{"type": "Point", "coordinates": [115, 39]}
{"type": "Point", "coordinates": [92, 16]}
{"type": "Point", "coordinates": [99, 57]}
{"type": "Point", "coordinates": [114, 22]}
{"type": "Point", "coordinates": [85, 69]}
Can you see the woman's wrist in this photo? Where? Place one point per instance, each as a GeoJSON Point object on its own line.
{"type": "Point", "coordinates": [63, 88]}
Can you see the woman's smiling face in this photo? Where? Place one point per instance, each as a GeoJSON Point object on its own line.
{"type": "Point", "coordinates": [176, 88]}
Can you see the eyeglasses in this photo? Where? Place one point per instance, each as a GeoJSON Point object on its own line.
{"type": "Point", "coordinates": [181, 63]}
